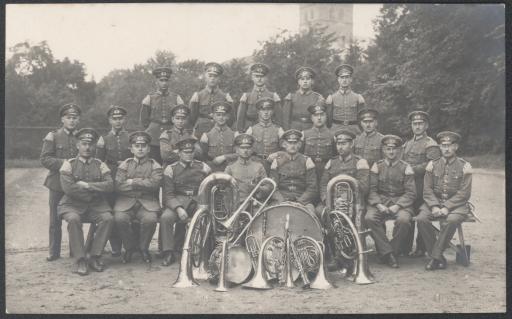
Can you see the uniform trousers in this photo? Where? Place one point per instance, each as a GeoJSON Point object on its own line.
{"type": "Point", "coordinates": [115, 239]}
{"type": "Point", "coordinates": [279, 198]}
{"type": "Point", "coordinates": [55, 228]}
{"type": "Point", "coordinates": [449, 224]}
{"type": "Point", "coordinates": [172, 230]}
{"type": "Point", "coordinates": [104, 222]}
{"type": "Point", "coordinates": [375, 220]}
{"type": "Point", "coordinates": [147, 220]}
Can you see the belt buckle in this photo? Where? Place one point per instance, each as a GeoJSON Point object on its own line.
{"type": "Point", "coordinates": [189, 193]}
{"type": "Point", "coordinates": [346, 122]}
{"type": "Point", "coordinates": [292, 188]}
{"type": "Point", "coordinates": [318, 159]}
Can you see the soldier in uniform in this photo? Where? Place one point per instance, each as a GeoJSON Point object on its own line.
{"type": "Point", "coordinates": [86, 181]}
{"type": "Point", "coordinates": [169, 138]}
{"type": "Point", "coordinates": [392, 194]}
{"type": "Point", "coordinates": [113, 149]}
{"type": "Point", "coordinates": [247, 111]}
{"type": "Point", "coordinates": [295, 107]}
{"type": "Point", "coordinates": [418, 151]}
{"type": "Point", "coordinates": [179, 197]}
{"type": "Point", "coordinates": [155, 113]}
{"type": "Point", "coordinates": [318, 140]}
{"type": "Point", "coordinates": [294, 173]}
{"type": "Point", "coordinates": [244, 170]}
{"type": "Point", "coordinates": [217, 144]}
{"type": "Point", "coordinates": [137, 183]}
{"type": "Point", "coordinates": [446, 192]}
{"type": "Point", "coordinates": [58, 146]}
{"type": "Point", "coordinates": [202, 101]}
{"type": "Point", "coordinates": [344, 105]}
{"type": "Point", "coordinates": [368, 143]}
{"type": "Point", "coordinates": [266, 133]}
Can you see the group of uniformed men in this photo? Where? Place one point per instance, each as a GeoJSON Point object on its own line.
{"type": "Point", "coordinates": [114, 180]}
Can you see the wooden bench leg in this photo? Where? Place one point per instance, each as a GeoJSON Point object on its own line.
{"type": "Point", "coordinates": [462, 251]}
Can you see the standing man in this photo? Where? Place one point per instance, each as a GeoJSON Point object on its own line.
{"type": "Point", "coordinates": [295, 107]}
{"type": "Point", "coordinates": [446, 193]}
{"type": "Point", "coordinates": [155, 113]}
{"type": "Point", "coordinates": [58, 146]}
{"type": "Point", "coordinates": [169, 138]}
{"type": "Point", "coordinates": [368, 143]}
{"type": "Point", "coordinates": [247, 111]}
{"type": "Point", "coordinates": [344, 105]}
{"type": "Point", "coordinates": [266, 133]}
{"type": "Point", "coordinates": [392, 194]}
{"type": "Point", "coordinates": [86, 181]}
{"type": "Point", "coordinates": [113, 149]}
{"type": "Point", "coordinates": [137, 183]}
{"type": "Point", "coordinates": [217, 144]}
{"type": "Point", "coordinates": [202, 101]}
{"type": "Point", "coordinates": [294, 173]}
{"type": "Point", "coordinates": [418, 151]}
{"type": "Point", "coordinates": [318, 140]}
{"type": "Point", "coordinates": [179, 197]}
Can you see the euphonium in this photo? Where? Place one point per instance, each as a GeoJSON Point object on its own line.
{"type": "Point", "coordinates": [260, 281]}
{"type": "Point", "coordinates": [320, 281]}
{"type": "Point", "coordinates": [342, 213]}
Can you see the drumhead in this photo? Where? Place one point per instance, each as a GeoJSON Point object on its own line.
{"type": "Point", "coordinates": [239, 265]}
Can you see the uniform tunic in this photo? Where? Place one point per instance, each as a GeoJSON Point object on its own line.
{"type": "Point", "coordinates": [390, 184]}
{"type": "Point", "coordinates": [180, 186]}
{"type": "Point", "coordinates": [248, 113]}
{"type": "Point", "coordinates": [218, 141]}
{"type": "Point", "coordinates": [447, 184]}
{"type": "Point", "coordinates": [113, 148]}
{"type": "Point", "coordinates": [201, 108]}
{"type": "Point", "coordinates": [247, 174]}
{"type": "Point", "coordinates": [319, 146]}
{"type": "Point", "coordinates": [58, 146]}
{"type": "Point", "coordinates": [368, 146]}
{"type": "Point", "coordinates": [168, 139]}
{"type": "Point", "coordinates": [295, 109]}
{"type": "Point", "coordinates": [266, 141]}
{"type": "Point", "coordinates": [86, 205]}
{"type": "Point", "coordinates": [342, 109]}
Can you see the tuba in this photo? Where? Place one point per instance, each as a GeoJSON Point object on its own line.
{"type": "Point", "coordinates": [340, 217]}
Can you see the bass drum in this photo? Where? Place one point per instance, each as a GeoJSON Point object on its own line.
{"type": "Point", "coordinates": [271, 222]}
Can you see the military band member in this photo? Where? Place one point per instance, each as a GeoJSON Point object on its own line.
{"type": "Point", "coordinates": [418, 151]}
{"type": "Point", "coordinates": [58, 146]}
{"type": "Point", "coordinates": [137, 184]}
{"type": "Point", "coordinates": [202, 101]}
{"type": "Point", "coordinates": [446, 192]}
{"type": "Point", "coordinates": [86, 181]}
{"type": "Point", "coordinates": [295, 107]}
{"type": "Point", "coordinates": [392, 194]}
{"type": "Point", "coordinates": [318, 140]}
{"type": "Point", "coordinates": [179, 129]}
{"type": "Point", "coordinates": [179, 197]}
{"type": "Point", "coordinates": [244, 170]}
{"type": "Point", "coordinates": [344, 105]}
{"type": "Point", "coordinates": [217, 144]}
{"type": "Point", "coordinates": [247, 111]}
{"type": "Point", "coordinates": [368, 143]}
{"type": "Point", "coordinates": [155, 113]}
{"type": "Point", "coordinates": [294, 173]}
{"type": "Point", "coordinates": [113, 149]}
{"type": "Point", "coordinates": [266, 133]}
{"type": "Point", "coordinates": [345, 163]}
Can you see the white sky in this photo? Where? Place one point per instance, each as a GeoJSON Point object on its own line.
{"type": "Point", "coordinates": [111, 36]}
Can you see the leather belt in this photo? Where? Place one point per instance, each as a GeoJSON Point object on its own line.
{"type": "Point", "coordinates": [186, 193]}
{"type": "Point", "coordinates": [345, 122]}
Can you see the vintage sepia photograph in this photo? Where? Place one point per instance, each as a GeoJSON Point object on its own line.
{"type": "Point", "coordinates": [255, 158]}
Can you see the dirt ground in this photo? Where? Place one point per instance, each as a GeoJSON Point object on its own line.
{"type": "Point", "coordinates": [36, 286]}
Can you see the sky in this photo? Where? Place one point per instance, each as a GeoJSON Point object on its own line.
{"type": "Point", "coordinates": [113, 36]}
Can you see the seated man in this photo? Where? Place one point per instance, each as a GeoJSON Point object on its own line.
{"type": "Point", "coordinates": [294, 173]}
{"type": "Point", "coordinates": [392, 194]}
{"type": "Point", "coordinates": [179, 196]}
{"type": "Point", "coordinates": [137, 184]}
{"type": "Point", "coordinates": [86, 181]}
{"type": "Point", "coordinates": [446, 191]}
{"type": "Point", "coordinates": [246, 171]}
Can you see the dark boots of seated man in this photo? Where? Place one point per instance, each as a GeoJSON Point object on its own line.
{"type": "Point", "coordinates": [86, 181]}
{"type": "Point", "coordinates": [179, 196]}
{"type": "Point", "coordinates": [392, 194]}
{"type": "Point", "coordinates": [446, 191]}
{"type": "Point", "coordinates": [137, 184]}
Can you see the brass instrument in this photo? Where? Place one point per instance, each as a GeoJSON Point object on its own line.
{"type": "Point", "coordinates": [222, 276]}
{"type": "Point", "coordinates": [260, 280]}
{"type": "Point", "coordinates": [340, 217]}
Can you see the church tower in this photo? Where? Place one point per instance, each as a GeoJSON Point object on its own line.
{"type": "Point", "coordinates": [337, 17]}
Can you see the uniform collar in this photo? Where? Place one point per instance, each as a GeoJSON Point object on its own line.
{"type": "Point", "coordinates": [68, 132]}
{"type": "Point", "coordinates": [117, 133]}
{"type": "Point", "coordinates": [344, 92]}
{"type": "Point", "coordinates": [419, 137]}
{"type": "Point", "coordinates": [370, 134]}
{"type": "Point", "coordinates": [177, 130]}
{"type": "Point", "coordinates": [321, 129]}
{"type": "Point", "coordinates": [268, 124]}
{"type": "Point", "coordinates": [142, 161]}
{"type": "Point", "coordinates": [221, 129]}
{"type": "Point", "coordinates": [346, 158]}
{"type": "Point", "coordinates": [293, 157]}
{"type": "Point", "coordinates": [388, 163]}
{"type": "Point", "coordinates": [84, 160]}
{"type": "Point", "coordinates": [450, 161]}
{"type": "Point", "coordinates": [258, 89]}
{"type": "Point", "coordinates": [211, 90]}
{"type": "Point", "coordinates": [308, 92]}
{"type": "Point", "coordinates": [185, 165]}
{"type": "Point", "coordinates": [159, 92]}
{"type": "Point", "coordinates": [243, 162]}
